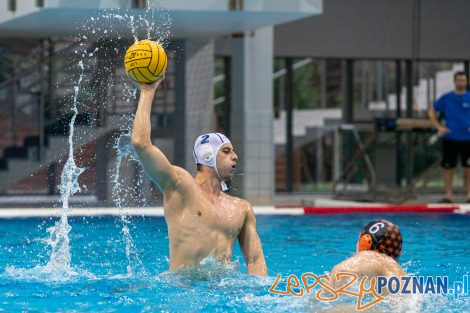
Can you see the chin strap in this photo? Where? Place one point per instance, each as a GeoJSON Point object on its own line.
{"type": "Point", "coordinates": [223, 185]}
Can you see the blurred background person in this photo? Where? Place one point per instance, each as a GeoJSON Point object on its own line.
{"type": "Point", "coordinates": [455, 106]}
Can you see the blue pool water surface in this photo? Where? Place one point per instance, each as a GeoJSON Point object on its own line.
{"type": "Point", "coordinates": [104, 279]}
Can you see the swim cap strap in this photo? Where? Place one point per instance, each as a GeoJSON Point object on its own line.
{"type": "Point", "coordinates": [223, 184]}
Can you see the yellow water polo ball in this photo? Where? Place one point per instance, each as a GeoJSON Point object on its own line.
{"type": "Point", "coordinates": [145, 61]}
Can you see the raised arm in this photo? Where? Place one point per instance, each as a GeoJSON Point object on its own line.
{"type": "Point", "coordinates": [152, 159]}
{"type": "Point", "coordinates": [251, 246]}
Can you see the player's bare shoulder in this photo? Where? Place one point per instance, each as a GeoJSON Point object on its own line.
{"type": "Point", "coordinates": [184, 184]}
{"type": "Point", "coordinates": [239, 203]}
{"type": "Point", "coordinates": [183, 176]}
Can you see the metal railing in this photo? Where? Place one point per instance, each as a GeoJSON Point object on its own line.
{"type": "Point", "coordinates": [38, 96]}
{"type": "Point", "coordinates": [27, 97]}
{"type": "Point", "coordinates": [369, 169]}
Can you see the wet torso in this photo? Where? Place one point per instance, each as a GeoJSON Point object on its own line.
{"type": "Point", "coordinates": [201, 225]}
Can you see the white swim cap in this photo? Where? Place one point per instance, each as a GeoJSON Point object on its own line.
{"type": "Point", "coordinates": [206, 148]}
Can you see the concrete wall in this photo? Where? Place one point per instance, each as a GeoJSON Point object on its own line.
{"type": "Point", "coordinates": [434, 29]}
{"type": "Point", "coordinates": [357, 29]}
{"type": "Point", "coordinates": [384, 29]}
{"type": "Point", "coordinates": [444, 29]}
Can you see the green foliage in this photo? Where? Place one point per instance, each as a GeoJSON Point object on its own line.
{"type": "Point", "coordinates": [306, 87]}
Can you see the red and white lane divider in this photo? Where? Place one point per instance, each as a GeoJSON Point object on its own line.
{"type": "Point", "coordinates": [343, 208]}
{"type": "Point", "coordinates": [327, 206]}
{"type": "Point", "coordinates": [418, 208]}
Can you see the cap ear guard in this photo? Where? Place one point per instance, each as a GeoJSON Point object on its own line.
{"type": "Point", "coordinates": [365, 243]}
{"type": "Point", "coordinates": [205, 153]}
{"type": "Point", "coordinates": [206, 148]}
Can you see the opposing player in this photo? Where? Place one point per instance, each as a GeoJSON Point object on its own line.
{"type": "Point", "coordinates": [378, 249]}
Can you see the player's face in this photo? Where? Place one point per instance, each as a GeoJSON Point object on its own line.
{"type": "Point", "coordinates": [226, 162]}
{"type": "Point", "coordinates": [460, 82]}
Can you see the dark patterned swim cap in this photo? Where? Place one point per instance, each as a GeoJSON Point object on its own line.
{"type": "Point", "coordinates": [381, 236]}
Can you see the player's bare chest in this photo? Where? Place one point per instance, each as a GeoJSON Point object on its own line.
{"type": "Point", "coordinates": [223, 215]}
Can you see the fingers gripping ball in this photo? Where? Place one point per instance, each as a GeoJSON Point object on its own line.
{"type": "Point", "coordinates": [145, 61]}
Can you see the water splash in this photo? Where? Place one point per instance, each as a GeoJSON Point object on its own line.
{"type": "Point", "coordinates": [59, 239]}
{"type": "Point", "coordinates": [70, 173]}
{"type": "Point", "coordinates": [58, 268]}
{"type": "Point", "coordinates": [125, 149]}
{"type": "Point", "coordinates": [154, 23]}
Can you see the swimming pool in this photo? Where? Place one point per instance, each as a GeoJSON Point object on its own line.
{"type": "Point", "coordinates": [104, 279]}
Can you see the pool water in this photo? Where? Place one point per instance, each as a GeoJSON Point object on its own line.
{"type": "Point", "coordinates": [103, 278]}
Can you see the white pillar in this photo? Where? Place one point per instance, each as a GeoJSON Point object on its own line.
{"type": "Point", "coordinates": [194, 67]}
{"type": "Point", "coordinates": [252, 115]}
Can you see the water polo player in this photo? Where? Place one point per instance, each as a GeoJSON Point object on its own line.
{"type": "Point", "coordinates": [378, 248]}
{"type": "Point", "coordinates": [203, 221]}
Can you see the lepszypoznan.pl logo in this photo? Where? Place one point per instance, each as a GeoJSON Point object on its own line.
{"type": "Point", "coordinates": [378, 285]}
